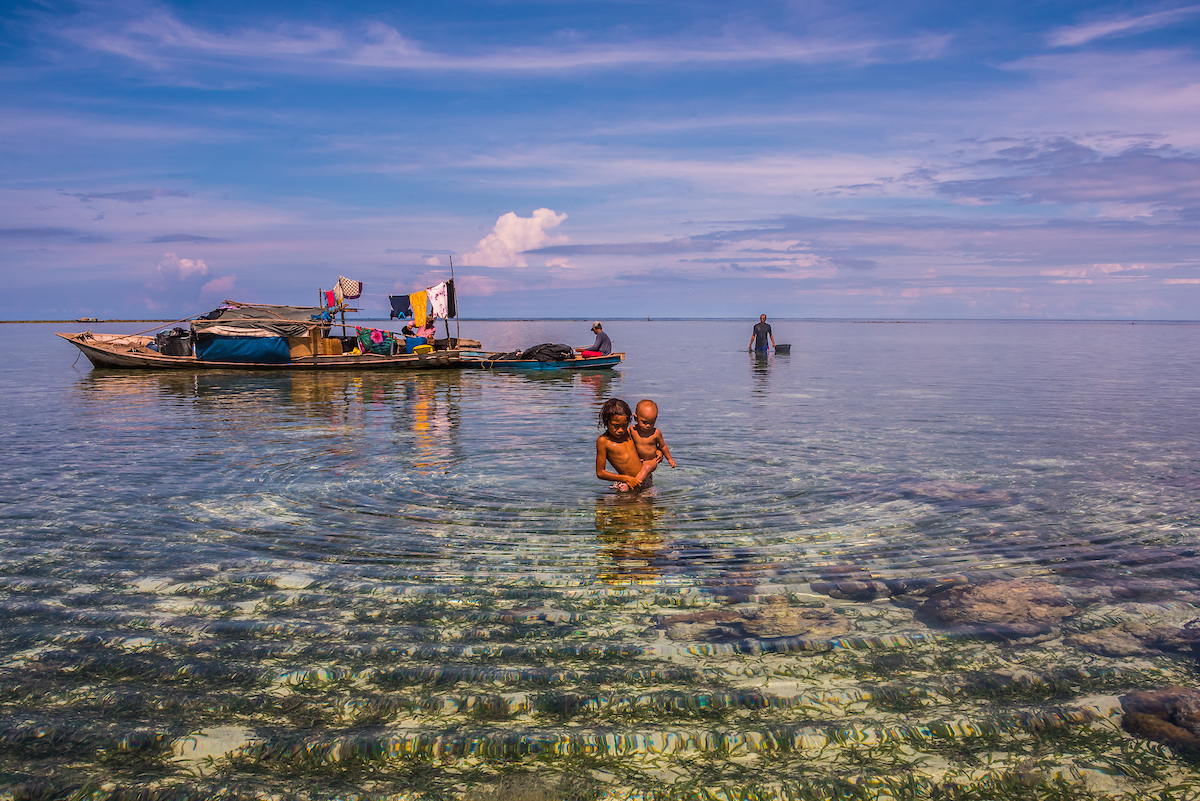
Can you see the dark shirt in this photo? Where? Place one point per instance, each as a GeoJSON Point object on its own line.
{"type": "Point", "coordinates": [602, 343]}
{"type": "Point", "coordinates": [761, 330]}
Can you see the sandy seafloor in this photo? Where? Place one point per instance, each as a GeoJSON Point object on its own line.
{"type": "Point", "coordinates": [411, 585]}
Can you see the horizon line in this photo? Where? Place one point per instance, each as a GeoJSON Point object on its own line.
{"type": "Point", "coordinates": [879, 320]}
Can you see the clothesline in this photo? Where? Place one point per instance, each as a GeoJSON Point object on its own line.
{"type": "Point", "coordinates": [439, 298]}
{"type": "Point", "coordinates": [345, 289]}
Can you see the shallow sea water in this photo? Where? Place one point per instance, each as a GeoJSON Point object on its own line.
{"type": "Point", "coordinates": [411, 585]}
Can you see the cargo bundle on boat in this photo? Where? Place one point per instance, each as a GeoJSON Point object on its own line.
{"type": "Point", "coordinates": [547, 356]}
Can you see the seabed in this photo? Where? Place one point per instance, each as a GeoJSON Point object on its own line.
{"type": "Point", "coordinates": [252, 681]}
{"type": "Point", "coordinates": [397, 587]}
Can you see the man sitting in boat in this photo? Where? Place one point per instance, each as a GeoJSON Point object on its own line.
{"type": "Point", "coordinates": [601, 347]}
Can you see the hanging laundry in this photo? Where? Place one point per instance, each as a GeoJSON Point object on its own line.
{"type": "Point", "coordinates": [372, 340]}
{"type": "Point", "coordinates": [350, 289]}
{"type": "Point", "coordinates": [451, 300]}
{"type": "Point", "coordinates": [420, 304]}
{"type": "Point", "coordinates": [330, 300]}
{"type": "Point", "coordinates": [337, 293]}
{"type": "Point", "coordinates": [400, 306]}
{"type": "Point", "coordinates": [437, 300]}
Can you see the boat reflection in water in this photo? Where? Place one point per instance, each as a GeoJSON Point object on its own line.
{"type": "Point", "coordinates": [344, 399]}
{"type": "Point", "coordinates": [362, 458]}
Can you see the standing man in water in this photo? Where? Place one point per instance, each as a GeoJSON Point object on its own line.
{"type": "Point", "coordinates": [758, 341]}
{"type": "Point", "coordinates": [601, 347]}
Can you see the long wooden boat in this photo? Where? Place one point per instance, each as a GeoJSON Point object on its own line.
{"type": "Point", "coordinates": [489, 361]}
{"type": "Point", "coordinates": [133, 352]}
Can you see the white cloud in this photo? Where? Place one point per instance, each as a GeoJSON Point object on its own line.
{"type": "Point", "coordinates": [218, 287]}
{"type": "Point", "coordinates": [433, 261]}
{"type": "Point", "coordinates": [512, 236]}
{"type": "Point", "coordinates": [1078, 272]}
{"type": "Point", "coordinates": [1083, 34]}
{"type": "Point", "coordinates": [172, 266]}
{"type": "Point", "coordinates": [158, 38]}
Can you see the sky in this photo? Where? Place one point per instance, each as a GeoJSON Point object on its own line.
{"type": "Point", "coordinates": [848, 159]}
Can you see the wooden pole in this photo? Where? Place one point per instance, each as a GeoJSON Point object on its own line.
{"type": "Point", "coordinates": [457, 331]}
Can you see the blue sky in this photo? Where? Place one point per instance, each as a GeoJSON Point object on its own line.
{"type": "Point", "coordinates": [623, 159]}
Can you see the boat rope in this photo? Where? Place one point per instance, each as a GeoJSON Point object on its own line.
{"type": "Point", "coordinates": [155, 328]}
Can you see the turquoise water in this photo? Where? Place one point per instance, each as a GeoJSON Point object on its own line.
{"type": "Point", "coordinates": [413, 585]}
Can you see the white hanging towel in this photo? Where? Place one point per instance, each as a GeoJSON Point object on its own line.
{"type": "Point", "coordinates": [350, 289]}
{"type": "Point", "coordinates": [439, 300]}
{"type": "Point", "coordinates": [337, 293]}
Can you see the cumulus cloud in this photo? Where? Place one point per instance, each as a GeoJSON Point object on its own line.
{"type": "Point", "coordinates": [178, 282]}
{"type": "Point", "coordinates": [218, 287]}
{"type": "Point", "coordinates": [513, 236]}
{"type": "Point", "coordinates": [174, 268]}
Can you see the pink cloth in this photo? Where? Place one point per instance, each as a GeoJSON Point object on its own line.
{"type": "Point", "coordinates": [590, 354]}
{"type": "Point", "coordinates": [330, 300]}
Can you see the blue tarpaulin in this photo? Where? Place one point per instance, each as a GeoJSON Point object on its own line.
{"type": "Point", "coordinates": [252, 349]}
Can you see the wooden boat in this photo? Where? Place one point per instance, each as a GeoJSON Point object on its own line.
{"type": "Point", "coordinates": [247, 336]}
{"type": "Point", "coordinates": [133, 352]}
{"type": "Point", "coordinates": [489, 361]}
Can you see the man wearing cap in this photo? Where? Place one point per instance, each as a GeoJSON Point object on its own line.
{"type": "Point", "coordinates": [601, 347]}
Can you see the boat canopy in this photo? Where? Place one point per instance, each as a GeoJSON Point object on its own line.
{"type": "Point", "coordinates": [284, 321]}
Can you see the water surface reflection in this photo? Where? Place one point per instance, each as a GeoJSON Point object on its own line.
{"type": "Point", "coordinates": [406, 583]}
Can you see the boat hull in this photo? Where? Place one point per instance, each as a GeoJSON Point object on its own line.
{"type": "Point", "coordinates": [131, 353]}
{"type": "Point", "coordinates": [593, 363]}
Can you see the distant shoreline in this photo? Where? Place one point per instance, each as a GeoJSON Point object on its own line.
{"type": "Point", "coordinates": [89, 322]}
{"type": "Point", "coordinates": [861, 321]}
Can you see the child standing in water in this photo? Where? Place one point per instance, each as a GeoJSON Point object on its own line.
{"type": "Point", "coordinates": [616, 447]}
{"type": "Point", "coordinates": [651, 447]}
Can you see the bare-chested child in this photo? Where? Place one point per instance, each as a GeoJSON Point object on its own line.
{"type": "Point", "coordinates": [616, 447]}
{"type": "Point", "coordinates": [651, 447]}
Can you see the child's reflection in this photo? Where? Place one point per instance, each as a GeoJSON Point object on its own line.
{"type": "Point", "coordinates": [629, 540]}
